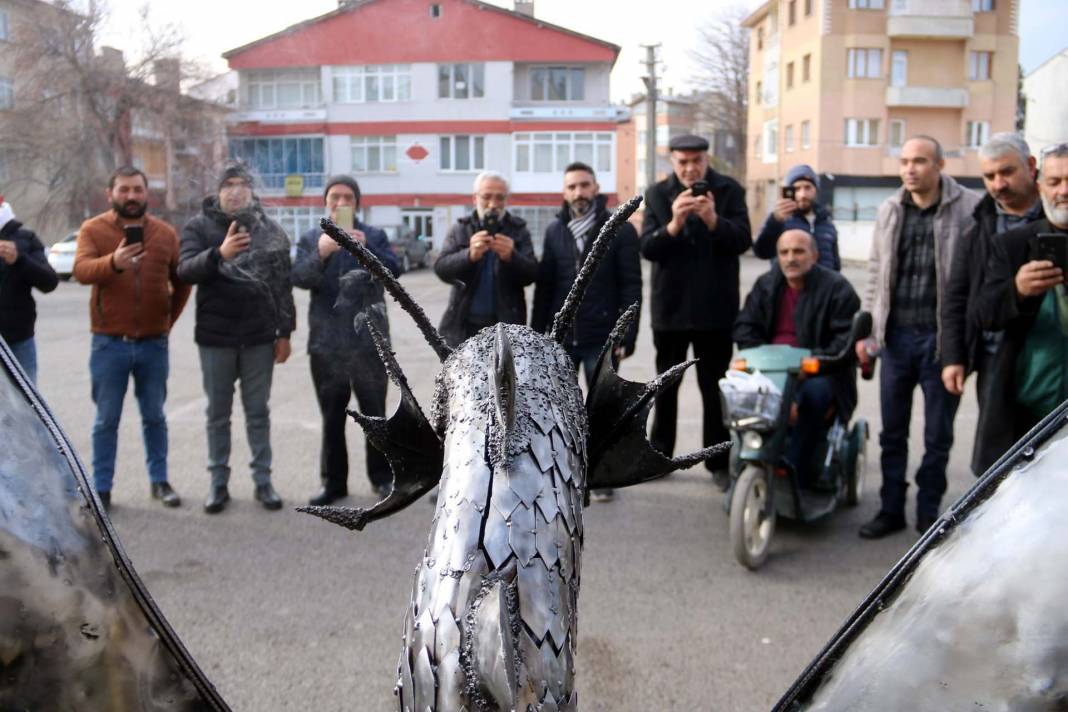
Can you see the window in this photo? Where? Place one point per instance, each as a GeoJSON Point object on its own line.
{"type": "Point", "coordinates": [759, 93]}
{"type": "Point", "coordinates": [806, 67]}
{"type": "Point", "coordinates": [895, 133]}
{"type": "Point", "coordinates": [979, 65]}
{"type": "Point", "coordinates": [462, 153]}
{"type": "Point", "coordinates": [790, 75]}
{"type": "Point", "coordinates": [4, 27]}
{"type": "Point", "coordinates": [294, 220]}
{"type": "Point", "coordinates": [899, 69]}
{"type": "Point", "coordinates": [421, 222]}
{"type": "Point", "coordinates": [374, 154]}
{"type": "Point", "coordinates": [864, 63]}
{"type": "Point", "coordinates": [284, 89]}
{"type": "Point", "coordinates": [7, 93]}
{"type": "Point", "coordinates": [865, 4]}
{"type": "Point", "coordinates": [982, 5]}
{"type": "Point", "coordinates": [861, 132]}
{"type": "Point", "coordinates": [461, 81]}
{"type": "Point", "coordinates": [557, 83]}
{"type": "Point", "coordinates": [371, 83]}
{"type": "Point", "coordinates": [806, 132]}
{"type": "Point", "coordinates": [808, 8]}
{"type": "Point", "coordinates": [976, 133]}
{"type": "Point", "coordinates": [272, 159]}
{"type": "Point", "coordinates": [788, 139]}
{"type": "Point", "coordinates": [771, 141]}
{"type": "Point", "coordinates": [760, 38]}
{"type": "Point", "coordinates": [435, 10]}
{"type": "Point", "coordinates": [538, 220]}
{"type": "Point", "coordinates": [552, 152]}
{"type": "Point", "coordinates": [791, 12]}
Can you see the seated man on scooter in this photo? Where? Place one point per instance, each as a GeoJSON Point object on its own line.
{"type": "Point", "coordinates": [802, 304]}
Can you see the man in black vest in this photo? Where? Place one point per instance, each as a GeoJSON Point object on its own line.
{"type": "Point", "coordinates": [695, 227]}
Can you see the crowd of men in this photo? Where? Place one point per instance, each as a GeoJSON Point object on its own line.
{"type": "Point", "coordinates": [959, 283]}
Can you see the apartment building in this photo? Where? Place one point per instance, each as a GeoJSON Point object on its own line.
{"type": "Point", "coordinates": [414, 98]}
{"type": "Point", "coordinates": [1045, 89]}
{"type": "Point", "coordinates": [841, 84]}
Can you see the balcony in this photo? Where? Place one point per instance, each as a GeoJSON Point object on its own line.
{"type": "Point", "coordinates": [930, 19]}
{"type": "Point", "coordinates": [927, 97]}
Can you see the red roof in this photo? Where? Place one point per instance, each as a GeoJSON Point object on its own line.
{"type": "Point", "coordinates": [403, 31]}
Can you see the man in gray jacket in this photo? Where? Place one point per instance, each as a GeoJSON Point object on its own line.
{"type": "Point", "coordinates": [911, 251]}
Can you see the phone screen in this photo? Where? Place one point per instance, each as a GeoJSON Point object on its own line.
{"type": "Point", "coordinates": [1052, 247]}
{"type": "Point", "coordinates": [345, 217]}
{"type": "Point", "coordinates": [134, 234]}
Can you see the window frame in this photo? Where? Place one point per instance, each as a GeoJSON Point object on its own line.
{"type": "Point", "coordinates": [474, 142]}
{"type": "Point", "coordinates": [976, 133]}
{"type": "Point", "coordinates": [385, 144]}
{"type": "Point", "coordinates": [854, 68]}
{"type": "Point", "coordinates": [282, 147]}
{"type": "Point", "coordinates": [904, 79]}
{"type": "Point", "coordinates": [348, 76]}
{"type": "Point", "coordinates": [259, 81]}
{"type": "Point", "coordinates": [789, 75]}
{"type": "Point", "coordinates": [569, 73]}
{"type": "Point", "coordinates": [5, 26]}
{"type": "Point", "coordinates": [7, 94]}
{"type": "Point", "coordinates": [788, 139]}
{"type": "Point", "coordinates": [602, 145]}
{"type": "Point", "coordinates": [805, 139]}
{"type": "Point", "coordinates": [980, 71]}
{"type": "Point", "coordinates": [867, 5]}
{"type": "Point", "coordinates": [806, 68]}
{"type": "Point", "coordinates": [475, 78]}
{"type": "Point", "coordinates": [855, 138]}
{"type": "Point", "coordinates": [903, 135]}
{"type": "Point", "coordinates": [984, 6]}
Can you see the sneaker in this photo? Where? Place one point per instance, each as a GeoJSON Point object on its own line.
{"type": "Point", "coordinates": [882, 525]}
{"type": "Point", "coordinates": [603, 495]}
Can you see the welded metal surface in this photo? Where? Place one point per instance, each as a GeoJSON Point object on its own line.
{"type": "Point", "coordinates": [78, 630]}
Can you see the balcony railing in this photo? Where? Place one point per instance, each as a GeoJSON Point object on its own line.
{"type": "Point", "coordinates": [946, 19]}
{"type": "Point", "coordinates": [927, 97]}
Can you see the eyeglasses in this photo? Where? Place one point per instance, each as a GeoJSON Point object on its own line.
{"type": "Point", "coordinates": [487, 197]}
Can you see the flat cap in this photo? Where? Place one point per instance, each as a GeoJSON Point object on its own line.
{"type": "Point", "coordinates": [688, 142]}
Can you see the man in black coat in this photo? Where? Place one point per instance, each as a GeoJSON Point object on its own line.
{"type": "Point", "coordinates": [1025, 297]}
{"type": "Point", "coordinates": [23, 266]}
{"type": "Point", "coordinates": [805, 305]}
{"type": "Point", "coordinates": [1011, 201]}
{"type": "Point", "coordinates": [488, 258]}
{"type": "Point", "coordinates": [616, 284]}
{"type": "Point", "coordinates": [695, 227]}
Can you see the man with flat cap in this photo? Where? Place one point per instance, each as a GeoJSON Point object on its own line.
{"type": "Point", "coordinates": [695, 226]}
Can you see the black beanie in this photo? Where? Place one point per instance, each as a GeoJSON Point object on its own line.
{"type": "Point", "coordinates": [347, 181]}
{"type": "Point", "coordinates": [235, 170]}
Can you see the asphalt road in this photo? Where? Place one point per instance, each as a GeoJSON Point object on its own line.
{"type": "Point", "coordinates": [285, 612]}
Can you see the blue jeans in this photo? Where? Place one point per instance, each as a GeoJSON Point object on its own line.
{"type": "Point", "coordinates": [814, 397]}
{"type": "Point", "coordinates": [112, 361]}
{"type": "Point", "coordinates": [586, 358]}
{"type": "Point", "coordinates": [26, 354]}
{"type": "Point", "coordinates": [909, 360]}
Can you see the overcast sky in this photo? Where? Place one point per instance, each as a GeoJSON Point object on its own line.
{"type": "Point", "coordinates": [212, 27]}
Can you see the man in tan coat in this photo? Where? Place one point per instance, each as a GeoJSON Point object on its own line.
{"type": "Point", "coordinates": [131, 260]}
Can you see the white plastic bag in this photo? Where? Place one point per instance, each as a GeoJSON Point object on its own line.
{"type": "Point", "coordinates": [749, 395]}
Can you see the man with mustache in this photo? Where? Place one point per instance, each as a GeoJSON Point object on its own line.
{"type": "Point", "coordinates": [136, 299]}
{"type": "Point", "coordinates": [1011, 201]}
{"type": "Point", "coordinates": [1025, 297]}
{"type": "Point", "coordinates": [806, 305]}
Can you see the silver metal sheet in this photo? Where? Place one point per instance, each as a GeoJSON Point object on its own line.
{"type": "Point", "coordinates": [425, 682]}
{"type": "Point", "coordinates": [525, 477]}
{"type": "Point", "coordinates": [535, 592]}
{"type": "Point", "coordinates": [406, 686]}
{"type": "Point", "coordinates": [495, 538]}
{"type": "Point", "coordinates": [521, 534]}
{"type": "Point", "coordinates": [545, 540]}
{"type": "Point", "coordinates": [542, 448]}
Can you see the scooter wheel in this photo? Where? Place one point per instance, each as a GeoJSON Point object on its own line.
{"type": "Point", "coordinates": [857, 464]}
{"type": "Point", "coordinates": [752, 521]}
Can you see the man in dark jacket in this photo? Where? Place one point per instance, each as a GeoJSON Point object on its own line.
{"type": "Point", "coordinates": [800, 212]}
{"type": "Point", "coordinates": [806, 305]}
{"type": "Point", "coordinates": [616, 284]}
{"type": "Point", "coordinates": [1011, 201]}
{"type": "Point", "coordinates": [1025, 297]}
{"type": "Point", "coordinates": [695, 226]}
{"type": "Point", "coordinates": [488, 258]}
{"type": "Point", "coordinates": [343, 359]}
{"type": "Point", "coordinates": [239, 259]}
{"type": "Point", "coordinates": [23, 266]}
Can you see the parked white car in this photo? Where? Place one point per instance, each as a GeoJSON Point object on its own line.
{"type": "Point", "coordinates": [61, 255]}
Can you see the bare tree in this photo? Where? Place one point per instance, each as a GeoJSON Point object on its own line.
{"type": "Point", "coordinates": [722, 54]}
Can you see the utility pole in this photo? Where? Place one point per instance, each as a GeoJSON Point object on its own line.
{"type": "Point", "coordinates": [650, 107]}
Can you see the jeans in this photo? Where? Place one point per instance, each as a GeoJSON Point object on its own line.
{"type": "Point", "coordinates": [25, 352]}
{"type": "Point", "coordinates": [586, 357]}
{"type": "Point", "coordinates": [714, 350]}
{"type": "Point", "coordinates": [814, 397]}
{"type": "Point", "coordinates": [909, 360]}
{"type": "Point", "coordinates": [221, 367]}
{"type": "Point", "coordinates": [111, 363]}
{"type": "Point", "coordinates": [334, 381]}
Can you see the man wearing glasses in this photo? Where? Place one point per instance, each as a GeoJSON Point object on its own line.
{"type": "Point", "coordinates": [488, 258]}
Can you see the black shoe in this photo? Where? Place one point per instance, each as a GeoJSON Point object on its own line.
{"type": "Point", "coordinates": [382, 491]}
{"type": "Point", "coordinates": [924, 522]}
{"type": "Point", "coordinates": [882, 525]}
{"type": "Point", "coordinates": [266, 496]}
{"type": "Point", "coordinates": [217, 500]}
{"type": "Point", "coordinates": [163, 492]}
{"type": "Point", "coordinates": [326, 497]}
{"type": "Point", "coordinates": [105, 499]}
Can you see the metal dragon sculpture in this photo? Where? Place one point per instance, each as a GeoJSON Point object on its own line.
{"type": "Point", "coordinates": [492, 623]}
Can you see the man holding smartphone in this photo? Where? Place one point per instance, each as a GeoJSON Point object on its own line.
{"type": "Point", "coordinates": [695, 227]}
{"type": "Point", "coordinates": [344, 362]}
{"type": "Point", "coordinates": [797, 209]}
{"type": "Point", "coordinates": [131, 260]}
{"type": "Point", "coordinates": [239, 259]}
{"type": "Point", "coordinates": [1025, 296]}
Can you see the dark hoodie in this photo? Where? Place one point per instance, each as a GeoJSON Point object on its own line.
{"type": "Point", "coordinates": [18, 311]}
{"type": "Point", "coordinates": [248, 300]}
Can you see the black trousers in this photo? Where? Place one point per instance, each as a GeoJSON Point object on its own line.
{"type": "Point", "coordinates": [713, 348]}
{"type": "Point", "coordinates": [334, 380]}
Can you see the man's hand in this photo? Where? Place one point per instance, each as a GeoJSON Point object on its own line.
{"type": "Point", "coordinates": [282, 349]}
{"type": "Point", "coordinates": [705, 208]}
{"type": "Point", "coordinates": [953, 378]}
{"type": "Point", "coordinates": [236, 241]}
{"type": "Point", "coordinates": [326, 246]}
{"type": "Point", "coordinates": [126, 256]}
{"type": "Point", "coordinates": [784, 209]}
{"type": "Point", "coordinates": [1037, 277]}
{"type": "Point", "coordinates": [9, 252]}
{"type": "Point", "coordinates": [503, 246]}
{"type": "Point", "coordinates": [620, 353]}
{"type": "Point", "coordinates": [681, 209]}
{"type": "Point", "coordinates": [862, 352]}
{"type": "Point", "coordinates": [480, 244]}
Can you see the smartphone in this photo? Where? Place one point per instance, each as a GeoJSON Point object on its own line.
{"type": "Point", "coordinates": [344, 217]}
{"type": "Point", "coordinates": [699, 188]}
{"type": "Point", "coordinates": [491, 224]}
{"type": "Point", "coordinates": [1053, 247]}
{"type": "Point", "coordinates": [788, 192]}
{"type": "Point", "coordinates": [134, 234]}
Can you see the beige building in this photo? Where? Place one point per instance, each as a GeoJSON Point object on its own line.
{"type": "Point", "coordinates": [840, 85]}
